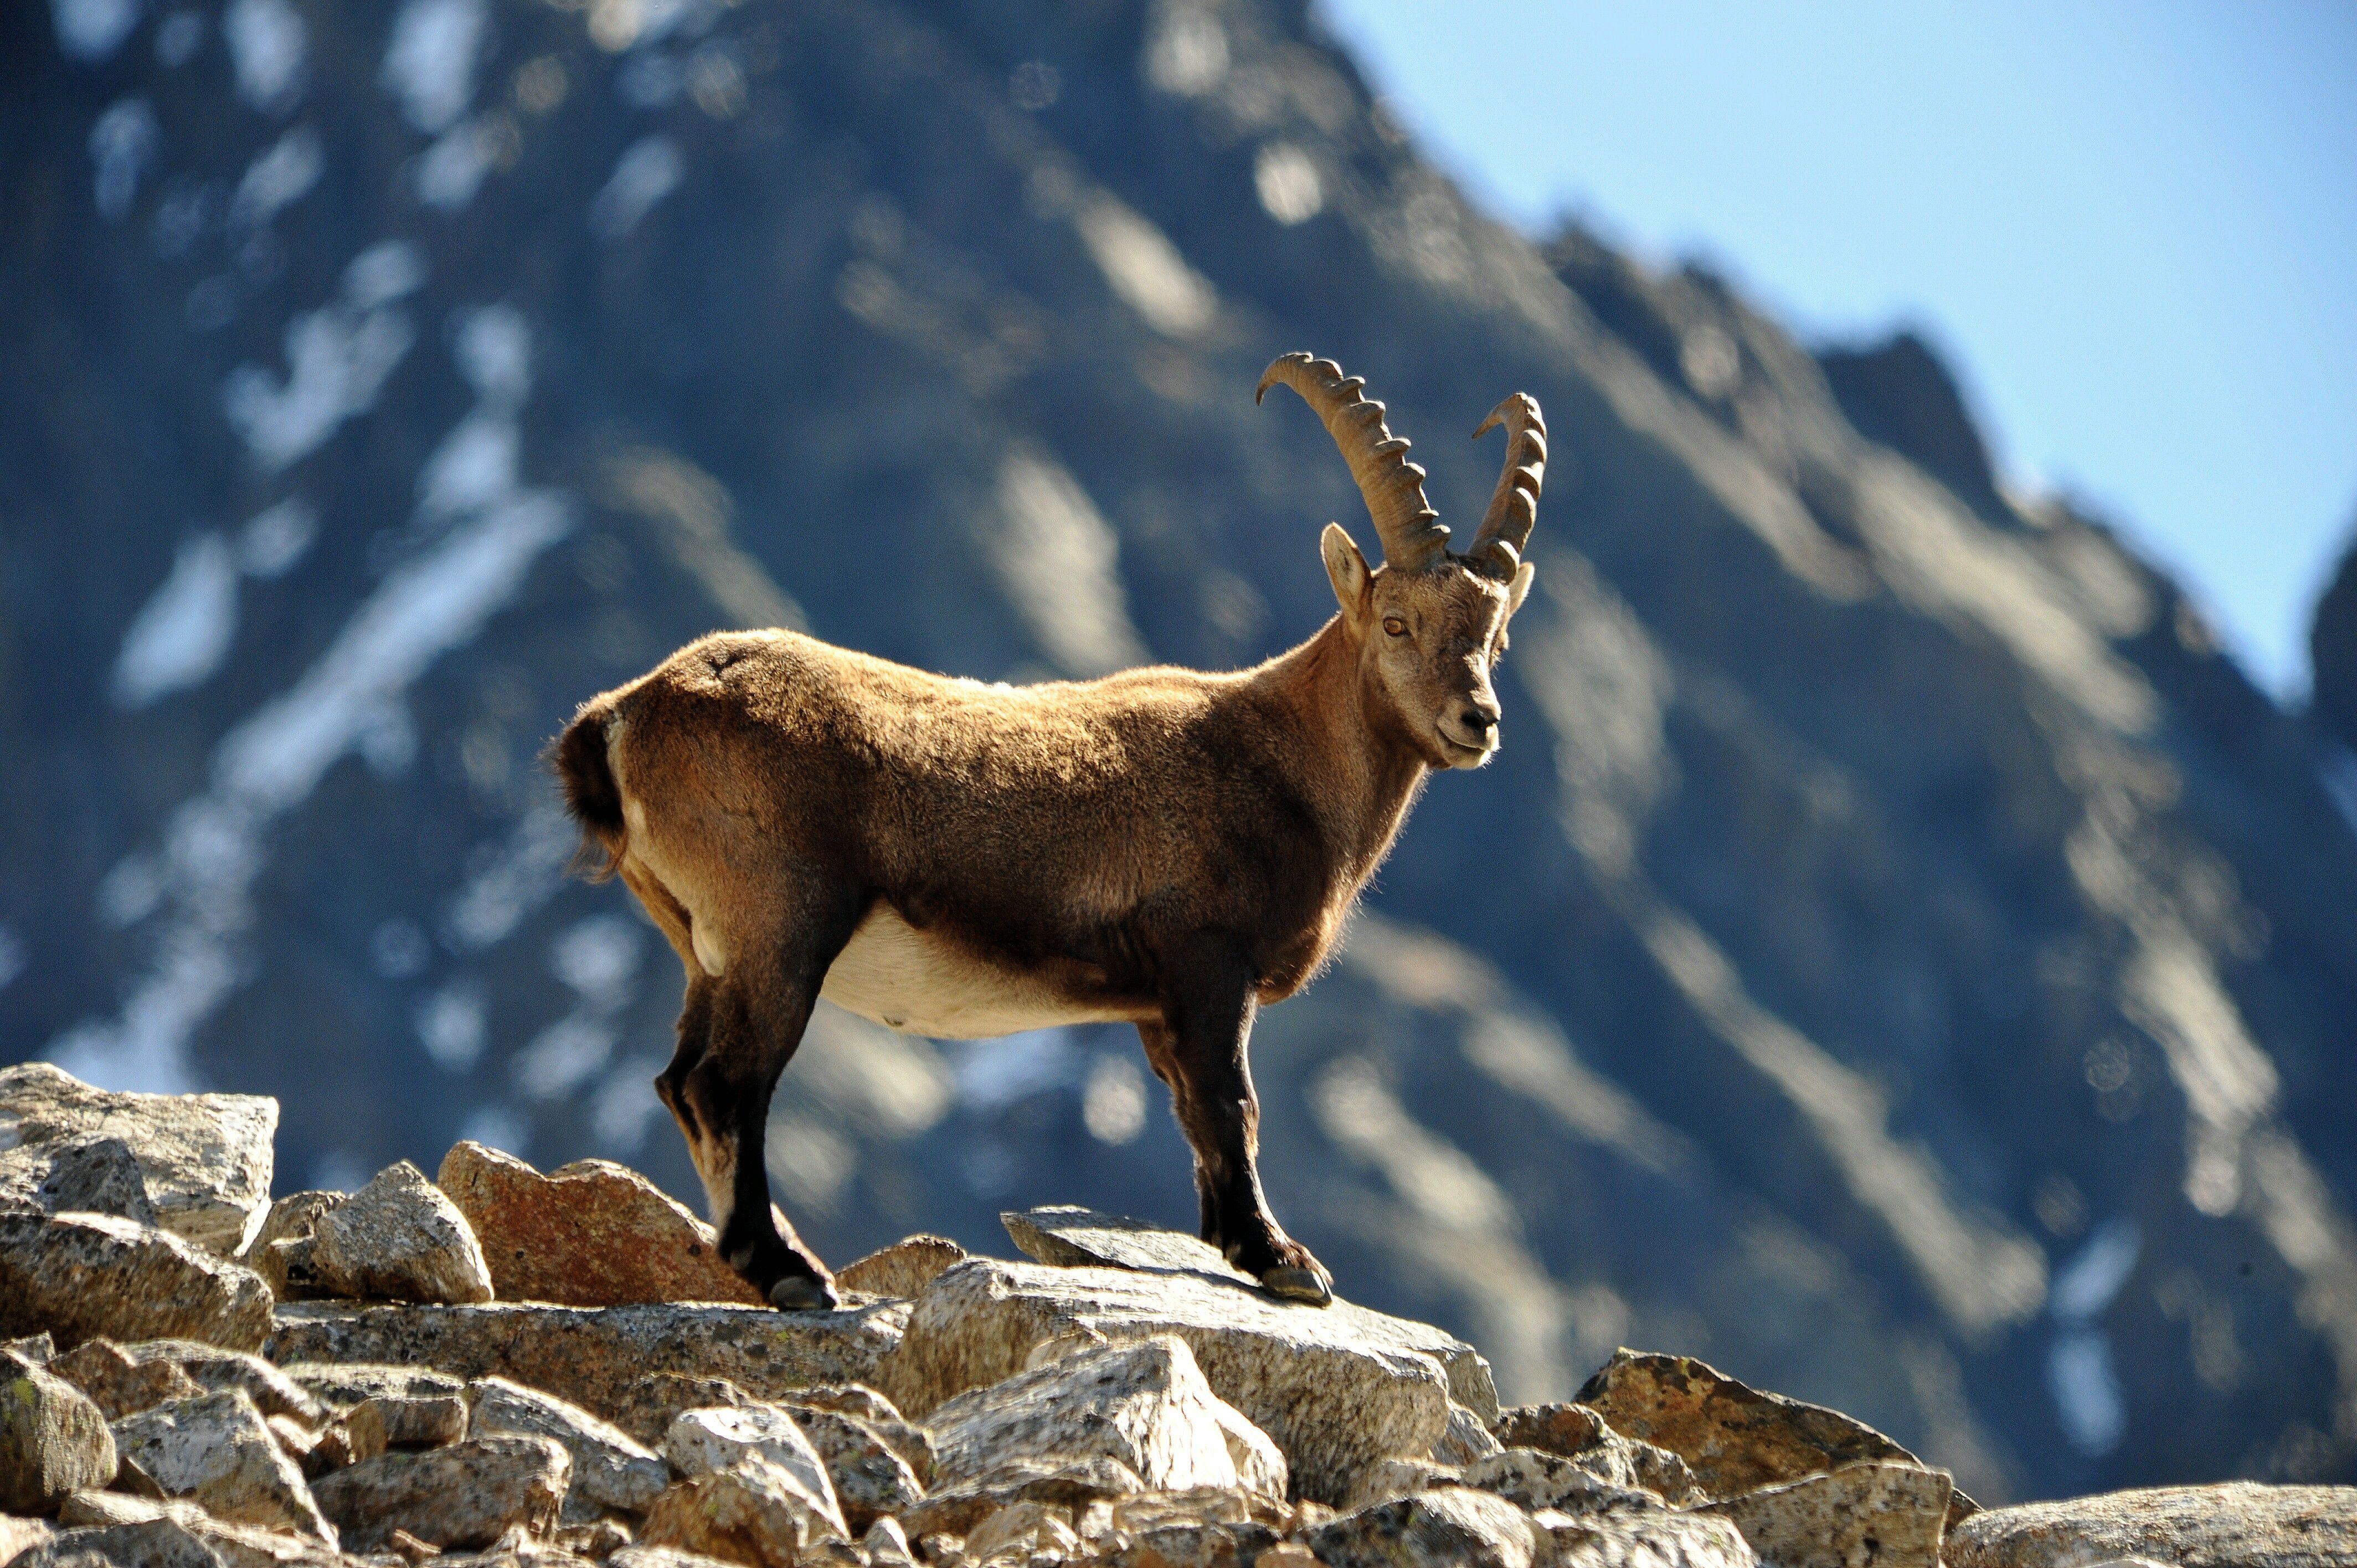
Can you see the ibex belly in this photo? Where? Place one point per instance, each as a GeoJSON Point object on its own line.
{"type": "Point", "coordinates": [923, 983]}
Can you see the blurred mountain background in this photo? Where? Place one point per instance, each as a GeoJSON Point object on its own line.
{"type": "Point", "coordinates": [1896, 957]}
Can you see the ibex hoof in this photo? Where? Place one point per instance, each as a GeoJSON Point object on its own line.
{"type": "Point", "coordinates": [1296, 1285]}
{"type": "Point", "coordinates": [797, 1293]}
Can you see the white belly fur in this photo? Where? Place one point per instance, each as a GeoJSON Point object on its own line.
{"type": "Point", "coordinates": [905, 979]}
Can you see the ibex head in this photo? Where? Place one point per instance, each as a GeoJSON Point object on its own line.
{"type": "Point", "coordinates": [1429, 623]}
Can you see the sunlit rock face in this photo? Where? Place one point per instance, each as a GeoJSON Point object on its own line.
{"type": "Point", "coordinates": [1895, 955]}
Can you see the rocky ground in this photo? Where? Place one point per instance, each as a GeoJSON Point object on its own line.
{"type": "Point", "coordinates": [507, 1367]}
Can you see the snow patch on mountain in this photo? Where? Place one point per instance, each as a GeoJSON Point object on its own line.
{"type": "Point", "coordinates": [89, 31]}
{"type": "Point", "coordinates": [268, 46]}
{"type": "Point", "coordinates": [429, 65]}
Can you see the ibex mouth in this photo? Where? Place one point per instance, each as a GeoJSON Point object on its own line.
{"type": "Point", "coordinates": [1466, 754]}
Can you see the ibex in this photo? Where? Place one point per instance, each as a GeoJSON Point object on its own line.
{"type": "Point", "coordinates": [1163, 847]}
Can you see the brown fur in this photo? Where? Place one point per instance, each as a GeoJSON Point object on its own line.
{"type": "Point", "coordinates": [1164, 846]}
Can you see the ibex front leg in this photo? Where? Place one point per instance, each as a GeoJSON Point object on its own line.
{"type": "Point", "coordinates": [1200, 1049]}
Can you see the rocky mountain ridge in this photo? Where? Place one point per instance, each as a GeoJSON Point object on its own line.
{"type": "Point", "coordinates": [354, 1378]}
{"type": "Point", "coordinates": [1896, 956]}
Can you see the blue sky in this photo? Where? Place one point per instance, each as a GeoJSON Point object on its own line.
{"type": "Point", "coordinates": [2131, 228]}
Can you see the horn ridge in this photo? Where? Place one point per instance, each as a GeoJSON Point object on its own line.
{"type": "Point", "coordinates": [1505, 531]}
{"type": "Point", "coordinates": [1393, 488]}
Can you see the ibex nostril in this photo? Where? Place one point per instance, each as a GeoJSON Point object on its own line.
{"type": "Point", "coordinates": [1478, 721]}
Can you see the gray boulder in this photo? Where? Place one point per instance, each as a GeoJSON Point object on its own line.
{"type": "Point", "coordinates": [1336, 1388]}
{"type": "Point", "coordinates": [703, 1441]}
{"type": "Point", "coordinates": [399, 1239]}
{"type": "Point", "coordinates": [1875, 1513]}
{"type": "Point", "coordinates": [1534, 1479]}
{"type": "Point", "coordinates": [101, 1176]}
{"type": "Point", "coordinates": [118, 1384]}
{"type": "Point", "coordinates": [77, 1276]}
{"type": "Point", "coordinates": [1452, 1527]}
{"type": "Point", "coordinates": [466, 1495]}
{"type": "Point", "coordinates": [1642, 1540]}
{"type": "Point", "coordinates": [204, 1159]}
{"type": "Point", "coordinates": [752, 1512]}
{"type": "Point", "coordinates": [53, 1439]}
{"type": "Point", "coordinates": [1146, 1404]}
{"type": "Point", "coordinates": [903, 1269]}
{"type": "Point", "coordinates": [2240, 1524]}
{"type": "Point", "coordinates": [872, 1476]}
{"type": "Point", "coordinates": [609, 1469]}
{"type": "Point", "coordinates": [217, 1452]}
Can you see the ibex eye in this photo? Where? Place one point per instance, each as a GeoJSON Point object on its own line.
{"type": "Point", "coordinates": [1395, 625]}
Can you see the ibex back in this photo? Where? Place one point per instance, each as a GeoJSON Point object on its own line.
{"type": "Point", "coordinates": [1162, 847]}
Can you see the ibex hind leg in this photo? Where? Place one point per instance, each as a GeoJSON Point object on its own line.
{"type": "Point", "coordinates": [757, 1012]}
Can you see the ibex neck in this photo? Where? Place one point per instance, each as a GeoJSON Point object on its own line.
{"type": "Point", "coordinates": [1361, 779]}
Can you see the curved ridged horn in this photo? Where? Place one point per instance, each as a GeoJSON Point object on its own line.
{"type": "Point", "coordinates": [1514, 505]}
{"type": "Point", "coordinates": [1410, 529]}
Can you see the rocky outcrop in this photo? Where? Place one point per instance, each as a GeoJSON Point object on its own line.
{"type": "Point", "coordinates": [591, 1234]}
{"type": "Point", "coordinates": [1132, 1405]}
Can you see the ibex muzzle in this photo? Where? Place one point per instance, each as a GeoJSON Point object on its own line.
{"type": "Point", "coordinates": [1167, 848]}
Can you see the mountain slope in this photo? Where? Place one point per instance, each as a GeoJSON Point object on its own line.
{"type": "Point", "coordinates": [1896, 955]}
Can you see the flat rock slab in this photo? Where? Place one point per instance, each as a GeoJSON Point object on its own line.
{"type": "Point", "coordinates": [1876, 1513]}
{"type": "Point", "coordinates": [1072, 1237]}
{"type": "Point", "coordinates": [1734, 1438]}
{"type": "Point", "coordinates": [1337, 1387]}
{"type": "Point", "coordinates": [588, 1234]}
{"type": "Point", "coordinates": [1143, 1404]}
{"type": "Point", "coordinates": [592, 1356]}
{"type": "Point", "coordinates": [206, 1158]}
{"type": "Point", "coordinates": [2239, 1524]}
{"type": "Point", "coordinates": [84, 1276]}
{"type": "Point", "coordinates": [399, 1239]}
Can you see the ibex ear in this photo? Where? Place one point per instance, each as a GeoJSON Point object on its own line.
{"type": "Point", "coordinates": [1519, 588]}
{"type": "Point", "coordinates": [1348, 570]}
